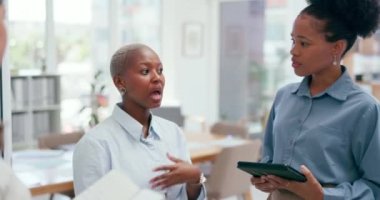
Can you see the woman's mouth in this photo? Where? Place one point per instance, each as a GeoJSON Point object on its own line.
{"type": "Point", "coordinates": [156, 95]}
{"type": "Point", "coordinates": [296, 64]}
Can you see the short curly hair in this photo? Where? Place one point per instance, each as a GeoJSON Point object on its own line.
{"type": "Point", "coordinates": [345, 19]}
{"type": "Point", "coordinates": [122, 56]}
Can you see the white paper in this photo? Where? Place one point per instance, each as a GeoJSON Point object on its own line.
{"type": "Point", "coordinates": [117, 186]}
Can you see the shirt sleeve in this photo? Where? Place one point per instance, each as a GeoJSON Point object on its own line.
{"type": "Point", "coordinates": [268, 147]}
{"type": "Point", "coordinates": [365, 151]}
{"type": "Point", "coordinates": [90, 163]}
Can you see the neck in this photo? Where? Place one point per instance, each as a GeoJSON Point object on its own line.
{"type": "Point", "coordinates": [140, 114]}
{"type": "Point", "coordinates": [323, 80]}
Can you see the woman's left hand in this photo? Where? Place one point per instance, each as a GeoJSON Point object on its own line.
{"type": "Point", "coordinates": [311, 189]}
{"type": "Point", "coordinates": [177, 173]}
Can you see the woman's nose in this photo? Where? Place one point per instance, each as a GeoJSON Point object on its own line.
{"type": "Point", "coordinates": [294, 50]}
{"type": "Point", "coordinates": [157, 76]}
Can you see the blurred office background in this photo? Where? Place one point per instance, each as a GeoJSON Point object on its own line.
{"type": "Point", "coordinates": [223, 60]}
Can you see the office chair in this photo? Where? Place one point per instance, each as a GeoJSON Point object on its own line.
{"type": "Point", "coordinates": [54, 141]}
{"type": "Point", "coordinates": [229, 128]}
{"type": "Point", "coordinates": [226, 179]}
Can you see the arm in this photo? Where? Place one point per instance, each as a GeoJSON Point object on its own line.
{"type": "Point", "coordinates": [90, 163]}
{"type": "Point", "coordinates": [181, 172]}
{"type": "Point", "coordinates": [365, 151]}
{"type": "Point", "coordinates": [193, 191]}
{"type": "Point", "coordinates": [178, 173]}
{"type": "Point", "coordinates": [311, 189]}
{"type": "Point", "coordinates": [267, 156]}
{"type": "Point", "coordinates": [365, 148]}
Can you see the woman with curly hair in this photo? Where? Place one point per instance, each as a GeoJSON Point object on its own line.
{"type": "Point", "coordinates": [325, 126]}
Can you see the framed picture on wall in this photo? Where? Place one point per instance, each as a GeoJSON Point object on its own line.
{"type": "Point", "coordinates": [192, 39]}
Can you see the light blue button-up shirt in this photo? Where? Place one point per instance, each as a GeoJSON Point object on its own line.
{"type": "Point", "coordinates": [118, 143]}
{"type": "Point", "coordinates": [335, 134]}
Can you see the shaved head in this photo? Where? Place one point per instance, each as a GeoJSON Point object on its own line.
{"type": "Point", "coordinates": [123, 56]}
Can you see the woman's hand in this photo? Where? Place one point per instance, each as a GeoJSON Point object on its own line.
{"type": "Point", "coordinates": [311, 189]}
{"type": "Point", "coordinates": [177, 173]}
{"type": "Point", "coordinates": [262, 184]}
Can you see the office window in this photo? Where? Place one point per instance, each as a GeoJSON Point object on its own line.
{"type": "Point", "coordinates": [73, 35]}
{"type": "Point", "coordinates": [26, 34]}
{"type": "Point", "coordinates": [140, 22]}
{"type": "Point", "coordinates": [83, 44]}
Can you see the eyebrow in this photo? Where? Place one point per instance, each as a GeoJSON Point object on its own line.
{"type": "Point", "coordinates": [150, 63]}
{"type": "Point", "coordinates": [300, 37]}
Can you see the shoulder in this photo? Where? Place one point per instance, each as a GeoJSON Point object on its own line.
{"type": "Point", "coordinates": [96, 138]}
{"type": "Point", "coordinates": [362, 99]}
{"type": "Point", "coordinates": [101, 131]}
{"type": "Point", "coordinates": [167, 128]}
{"type": "Point", "coordinates": [290, 87]}
{"type": "Point", "coordinates": [287, 90]}
{"type": "Point", "coordinates": [164, 123]}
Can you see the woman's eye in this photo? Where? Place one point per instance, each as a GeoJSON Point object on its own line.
{"type": "Point", "coordinates": [145, 71]}
{"type": "Point", "coordinates": [304, 44]}
{"type": "Point", "coordinates": [160, 70]}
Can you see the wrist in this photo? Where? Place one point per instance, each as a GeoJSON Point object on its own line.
{"type": "Point", "coordinates": [200, 180]}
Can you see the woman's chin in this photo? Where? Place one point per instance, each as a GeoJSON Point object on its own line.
{"type": "Point", "coordinates": [300, 73]}
{"type": "Point", "coordinates": [155, 105]}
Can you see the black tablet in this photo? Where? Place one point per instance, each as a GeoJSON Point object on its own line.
{"type": "Point", "coordinates": [280, 170]}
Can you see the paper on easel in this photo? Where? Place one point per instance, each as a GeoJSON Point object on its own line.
{"type": "Point", "coordinates": [117, 186]}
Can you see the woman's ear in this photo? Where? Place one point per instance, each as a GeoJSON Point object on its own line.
{"type": "Point", "coordinates": [118, 81]}
{"type": "Point", "coordinates": [339, 47]}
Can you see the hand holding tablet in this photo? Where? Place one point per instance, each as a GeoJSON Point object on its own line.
{"type": "Point", "coordinates": [280, 170]}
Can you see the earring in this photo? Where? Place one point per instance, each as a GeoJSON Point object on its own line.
{"type": "Point", "coordinates": [122, 91]}
{"type": "Point", "coordinates": [335, 62]}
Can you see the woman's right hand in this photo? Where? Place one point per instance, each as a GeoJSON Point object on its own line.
{"type": "Point", "coordinates": [261, 183]}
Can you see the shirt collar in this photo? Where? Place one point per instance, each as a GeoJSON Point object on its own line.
{"type": "Point", "coordinates": [131, 125]}
{"type": "Point", "coordinates": [338, 90]}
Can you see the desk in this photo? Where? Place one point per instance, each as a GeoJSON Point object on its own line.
{"type": "Point", "coordinates": [204, 146]}
{"type": "Point", "coordinates": [44, 171]}
{"type": "Point", "coordinates": [54, 174]}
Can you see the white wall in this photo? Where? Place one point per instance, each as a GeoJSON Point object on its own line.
{"type": "Point", "coordinates": [193, 81]}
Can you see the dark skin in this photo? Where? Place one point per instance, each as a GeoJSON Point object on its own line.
{"type": "Point", "coordinates": [143, 82]}
{"type": "Point", "coordinates": [311, 55]}
{"type": "Point", "coordinates": [140, 78]}
{"type": "Point", "coordinates": [311, 189]}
